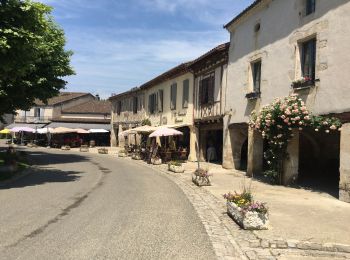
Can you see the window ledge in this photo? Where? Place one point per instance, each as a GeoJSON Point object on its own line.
{"type": "Point", "coordinates": [253, 95]}
{"type": "Point", "coordinates": [304, 85]}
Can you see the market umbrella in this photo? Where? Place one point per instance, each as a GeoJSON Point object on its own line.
{"type": "Point", "coordinates": [5, 131]}
{"type": "Point", "coordinates": [81, 131]}
{"type": "Point", "coordinates": [165, 131]}
{"type": "Point", "coordinates": [22, 129]}
{"type": "Point", "coordinates": [98, 131]}
{"type": "Point", "coordinates": [63, 130]}
{"type": "Point", "coordinates": [143, 129]}
{"type": "Point", "coordinates": [44, 130]}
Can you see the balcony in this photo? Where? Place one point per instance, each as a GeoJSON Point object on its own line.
{"type": "Point", "coordinates": [32, 119]}
{"type": "Point", "coordinates": [208, 110]}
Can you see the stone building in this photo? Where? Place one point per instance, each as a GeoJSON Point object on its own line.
{"type": "Point", "coordinates": [210, 72]}
{"type": "Point", "coordinates": [128, 111]}
{"type": "Point", "coordinates": [272, 44]}
{"type": "Point", "coordinates": [169, 102]}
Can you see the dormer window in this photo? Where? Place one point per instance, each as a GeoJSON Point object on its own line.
{"type": "Point", "coordinates": [310, 6]}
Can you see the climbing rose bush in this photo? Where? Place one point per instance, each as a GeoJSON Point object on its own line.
{"type": "Point", "coordinates": [276, 122]}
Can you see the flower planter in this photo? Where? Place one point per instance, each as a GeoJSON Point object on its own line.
{"type": "Point", "coordinates": [253, 95]}
{"type": "Point", "coordinates": [303, 84]}
{"type": "Point", "coordinates": [136, 157]}
{"type": "Point", "coordinates": [84, 148]}
{"type": "Point", "coordinates": [122, 154]}
{"type": "Point", "coordinates": [65, 147]}
{"type": "Point", "coordinates": [156, 161]}
{"type": "Point", "coordinates": [176, 168]}
{"type": "Point", "coordinates": [250, 220]}
{"type": "Point", "coordinates": [103, 151]}
{"type": "Point", "coordinates": [201, 181]}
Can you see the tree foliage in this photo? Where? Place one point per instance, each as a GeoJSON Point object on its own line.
{"type": "Point", "coordinates": [33, 60]}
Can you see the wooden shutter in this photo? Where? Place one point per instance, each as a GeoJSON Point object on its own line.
{"type": "Point", "coordinates": [185, 94]}
{"type": "Point", "coordinates": [160, 94]}
{"type": "Point", "coordinates": [211, 88]}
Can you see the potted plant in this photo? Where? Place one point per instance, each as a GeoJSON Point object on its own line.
{"type": "Point", "coordinates": [136, 156]}
{"type": "Point", "coordinates": [246, 212]}
{"type": "Point", "coordinates": [103, 150]}
{"type": "Point", "coordinates": [156, 160]}
{"type": "Point", "coordinates": [122, 153]}
{"type": "Point", "coordinates": [201, 177]}
{"type": "Point", "coordinates": [176, 166]}
{"type": "Point", "coordinates": [65, 147]}
{"type": "Point", "coordinates": [302, 82]}
{"type": "Point", "coordinates": [84, 148]}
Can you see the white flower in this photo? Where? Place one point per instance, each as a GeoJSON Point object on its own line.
{"type": "Point", "coordinates": [316, 130]}
{"type": "Point", "coordinates": [327, 131]}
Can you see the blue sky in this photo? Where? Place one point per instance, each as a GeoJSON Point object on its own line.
{"type": "Point", "coordinates": [120, 44]}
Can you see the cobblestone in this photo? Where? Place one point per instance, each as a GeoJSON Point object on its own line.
{"type": "Point", "coordinates": [231, 242]}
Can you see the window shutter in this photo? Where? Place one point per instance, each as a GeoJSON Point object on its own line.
{"type": "Point", "coordinates": [149, 104]}
{"type": "Point", "coordinates": [211, 86]}
{"type": "Point", "coordinates": [160, 93]}
{"type": "Point", "coordinates": [200, 92]}
{"type": "Point", "coordinates": [185, 94]}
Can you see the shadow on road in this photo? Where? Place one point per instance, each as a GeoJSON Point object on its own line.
{"type": "Point", "coordinates": [42, 176]}
{"type": "Point", "coordinates": [41, 158]}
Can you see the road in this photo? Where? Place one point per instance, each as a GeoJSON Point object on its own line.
{"type": "Point", "coordinates": [85, 206]}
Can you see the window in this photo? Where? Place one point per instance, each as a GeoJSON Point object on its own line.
{"type": "Point", "coordinates": [37, 112]}
{"type": "Point", "coordinates": [256, 70]}
{"type": "Point", "coordinates": [134, 105]}
{"type": "Point", "coordinates": [160, 96]}
{"type": "Point", "coordinates": [310, 6]}
{"type": "Point", "coordinates": [119, 107]}
{"type": "Point", "coordinates": [206, 89]}
{"type": "Point", "coordinates": [152, 103]}
{"type": "Point", "coordinates": [173, 96]}
{"type": "Point", "coordinates": [308, 59]}
{"type": "Point", "coordinates": [185, 93]}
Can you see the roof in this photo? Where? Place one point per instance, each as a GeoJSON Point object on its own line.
{"type": "Point", "coordinates": [133, 90]}
{"type": "Point", "coordinates": [214, 53]}
{"type": "Point", "coordinates": [61, 98]}
{"type": "Point", "coordinates": [170, 74]}
{"type": "Point", "coordinates": [82, 120]}
{"type": "Point", "coordinates": [90, 107]}
{"type": "Point", "coordinates": [245, 11]}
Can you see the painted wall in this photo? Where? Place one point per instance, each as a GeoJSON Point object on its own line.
{"type": "Point", "coordinates": [283, 26]}
{"type": "Point", "coordinates": [172, 117]}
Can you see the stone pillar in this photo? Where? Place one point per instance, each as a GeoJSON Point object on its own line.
{"type": "Point", "coordinates": [114, 140]}
{"type": "Point", "coordinates": [121, 138]}
{"type": "Point", "coordinates": [194, 146]}
{"type": "Point", "coordinates": [255, 153]}
{"type": "Point", "coordinates": [344, 183]}
{"type": "Point", "coordinates": [291, 162]}
{"type": "Point", "coordinates": [202, 145]}
{"type": "Point", "coordinates": [227, 160]}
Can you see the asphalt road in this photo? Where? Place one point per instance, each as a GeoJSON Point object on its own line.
{"type": "Point", "coordinates": [84, 206]}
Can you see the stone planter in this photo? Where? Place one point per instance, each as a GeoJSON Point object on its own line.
{"type": "Point", "coordinates": [103, 151]}
{"type": "Point", "coordinates": [122, 154]}
{"type": "Point", "coordinates": [136, 157]}
{"type": "Point", "coordinates": [201, 181]}
{"type": "Point", "coordinates": [156, 161]}
{"type": "Point", "coordinates": [65, 147]}
{"type": "Point", "coordinates": [176, 169]}
{"type": "Point", "coordinates": [250, 220]}
{"type": "Point", "coordinates": [84, 148]}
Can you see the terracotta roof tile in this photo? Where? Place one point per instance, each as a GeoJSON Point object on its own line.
{"type": "Point", "coordinates": [90, 107]}
{"type": "Point", "coordinates": [62, 97]}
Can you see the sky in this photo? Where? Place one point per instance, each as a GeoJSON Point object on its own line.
{"type": "Point", "coordinates": [121, 44]}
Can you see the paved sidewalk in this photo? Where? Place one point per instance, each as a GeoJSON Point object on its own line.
{"type": "Point", "coordinates": [269, 244]}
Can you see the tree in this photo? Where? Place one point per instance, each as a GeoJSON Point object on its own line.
{"type": "Point", "coordinates": [33, 60]}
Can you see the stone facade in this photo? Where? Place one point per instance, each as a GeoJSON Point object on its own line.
{"type": "Point", "coordinates": [273, 33]}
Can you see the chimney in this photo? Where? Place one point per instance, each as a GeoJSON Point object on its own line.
{"type": "Point", "coordinates": [97, 97]}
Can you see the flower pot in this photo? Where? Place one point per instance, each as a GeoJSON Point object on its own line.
{"type": "Point", "coordinates": [102, 151]}
{"type": "Point", "coordinates": [122, 154]}
{"type": "Point", "coordinates": [201, 181]}
{"type": "Point", "coordinates": [136, 157]}
{"type": "Point", "coordinates": [156, 161]}
{"type": "Point", "coordinates": [65, 147]}
{"type": "Point", "coordinates": [176, 168]}
{"type": "Point", "coordinates": [250, 220]}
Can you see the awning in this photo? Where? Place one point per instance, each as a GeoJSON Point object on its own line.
{"type": "Point", "coordinates": [143, 129]}
{"type": "Point", "coordinates": [175, 126]}
{"type": "Point", "coordinates": [34, 126]}
{"type": "Point", "coordinates": [85, 126]}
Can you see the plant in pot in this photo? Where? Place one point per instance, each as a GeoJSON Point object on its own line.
{"type": "Point", "coordinates": [103, 150]}
{"type": "Point", "coordinates": [122, 153]}
{"type": "Point", "coordinates": [246, 212]}
{"type": "Point", "coordinates": [176, 166]}
{"type": "Point", "coordinates": [201, 177]}
{"type": "Point", "coordinates": [156, 160]}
